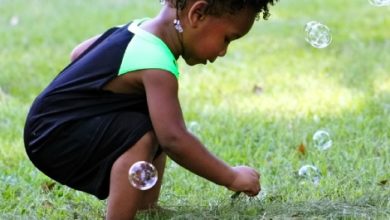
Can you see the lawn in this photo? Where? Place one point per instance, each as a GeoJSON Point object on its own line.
{"type": "Point", "coordinates": [260, 105]}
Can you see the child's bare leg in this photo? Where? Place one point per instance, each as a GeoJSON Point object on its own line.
{"type": "Point", "coordinates": [124, 200]}
{"type": "Point", "coordinates": [150, 197]}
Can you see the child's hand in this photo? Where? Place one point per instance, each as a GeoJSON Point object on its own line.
{"type": "Point", "coordinates": [247, 180]}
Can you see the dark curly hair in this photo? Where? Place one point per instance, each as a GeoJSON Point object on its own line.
{"type": "Point", "coordinates": [220, 7]}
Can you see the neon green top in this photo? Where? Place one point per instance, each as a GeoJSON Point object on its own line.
{"type": "Point", "coordinates": [147, 51]}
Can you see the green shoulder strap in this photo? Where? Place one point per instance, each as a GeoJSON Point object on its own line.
{"type": "Point", "coordinates": [146, 51]}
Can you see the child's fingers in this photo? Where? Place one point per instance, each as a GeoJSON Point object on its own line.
{"type": "Point", "coordinates": [252, 193]}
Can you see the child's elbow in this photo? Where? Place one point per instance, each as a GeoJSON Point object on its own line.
{"type": "Point", "coordinates": [170, 141]}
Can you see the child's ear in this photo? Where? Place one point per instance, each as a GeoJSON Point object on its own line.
{"type": "Point", "coordinates": [197, 12]}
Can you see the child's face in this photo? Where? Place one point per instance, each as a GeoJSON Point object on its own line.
{"type": "Point", "coordinates": [211, 37]}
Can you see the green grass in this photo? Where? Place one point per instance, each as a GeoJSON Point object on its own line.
{"type": "Point", "coordinates": [344, 89]}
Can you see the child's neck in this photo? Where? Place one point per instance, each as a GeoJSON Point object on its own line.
{"type": "Point", "coordinates": [162, 26]}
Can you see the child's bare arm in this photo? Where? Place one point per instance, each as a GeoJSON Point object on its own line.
{"type": "Point", "coordinates": [180, 145]}
{"type": "Point", "coordinates": [79, 49]}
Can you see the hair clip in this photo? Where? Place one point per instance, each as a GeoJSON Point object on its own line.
{"type": "Point", "coordinates": [162, 2]}
{"type": "Point", "coordinates": [178, 26]}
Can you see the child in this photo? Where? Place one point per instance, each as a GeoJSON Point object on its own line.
{"type": "Point", "coordinates": [117, 103]}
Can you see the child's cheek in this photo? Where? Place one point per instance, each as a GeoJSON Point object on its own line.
{"type": "Point", "coordinates": [211, 49]}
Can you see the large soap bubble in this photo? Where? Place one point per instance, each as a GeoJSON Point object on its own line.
{"type": "Point", "coordinates": [143, 175]}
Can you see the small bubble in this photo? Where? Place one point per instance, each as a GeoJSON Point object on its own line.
{"type": "Point", "coordinates": [310, 173]}
{"type": "Point", "coordinates": [316, 118]}
{"type": "Point", "coordinates": [143, 175]}
{"type": "Point", "coordinates": [194, 127]}
{"type": "Point", "coordinates": [322, 140]}
{"type": "Point", "coordinates": [14, 21]}
{"type": "Point", "coordinates": [317, 34]}
{"type": "Point", "coordinates": [379, 3]}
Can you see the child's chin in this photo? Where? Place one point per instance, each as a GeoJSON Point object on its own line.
{"type": "Point", "coordinates": [193, 62]}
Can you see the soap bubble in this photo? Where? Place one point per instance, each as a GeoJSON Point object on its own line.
{"type": "Point", "coordinates": [379, 3]}
{"type": "Point", "coordinates": [14, 21]}
{"type": "Point", "coordinates": [194, 127]}
{"type": "Point", "coordinates": [310, 173]}
{"type": "Point", "coordinates": [322, 140]}
{"type": "Point", "coordinates": [143, 175]}
{"type": "Point", "coordinates": [317, 34]}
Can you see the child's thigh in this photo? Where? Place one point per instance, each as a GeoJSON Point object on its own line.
{"type": "Point", "coordinates": [81, 154]}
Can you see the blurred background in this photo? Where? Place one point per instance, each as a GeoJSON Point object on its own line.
{"type": "Point", "coordinates": [259, 105]}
